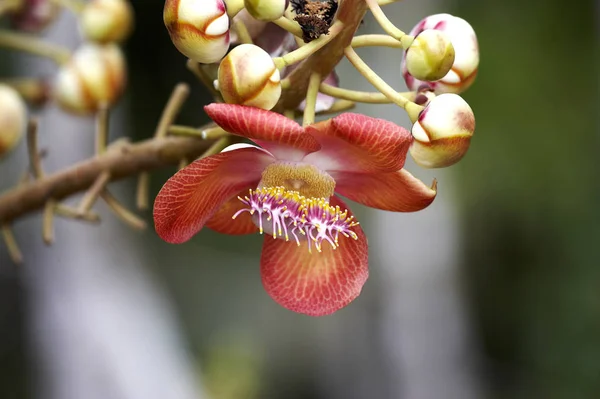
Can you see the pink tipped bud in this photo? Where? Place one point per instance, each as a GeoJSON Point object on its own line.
{"type": "Point", "coordinates": [13, 117]}
{"type": "Point", "coordinates": [95, 75]}
{"type": "Point", "coordinates": [430, 56]}
{"type": "Point", "coordinates": [248, 76]}
{"type": "Point", "coordinates": [199, 29]}
{"type": "Point", "coordinates": [34, 15]}
{"type": "Point", "coordinates": [443, 132]}
{"type": "Point", "coordinates": [105, 21]}
{"type": "Point", "coordinates": [266, 10]}
{"type": "Point", "coordinates": [466, 59]}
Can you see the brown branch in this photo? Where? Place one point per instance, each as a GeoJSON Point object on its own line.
{"type": "Point", "coordinates": [350, 13]}
{"type": "Point", "coordinates": [120, 161]}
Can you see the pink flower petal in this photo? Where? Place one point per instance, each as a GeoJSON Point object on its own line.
{"type": "Point", "coordinates": [395, 191]}
{"type": "Point", "coordinates": [358, 143]}
{"type": "Point", "coordinates": [315, 284]}
{"type": "Point", "coordinates": [195, 193]}
{"type": "Point", "coordinates": [222, 221]}
{"type": "Point", "coordinates": [282, 137]}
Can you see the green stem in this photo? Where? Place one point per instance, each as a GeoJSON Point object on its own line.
{"type": "Point", "coordinates": [413, 110]}
{"type": "Point", "coordinates": [311, 99]}
{"type": "Point", "coordinates": [206, 134]}
{"type": "Point", "coordinates": [240, 28]}
{"type": "Point", "coordinates": [375, 40]}
{"type": "Point", "coordinates": [291, 26]}
{"type": "Point", "coordinates": [388, 26]}
{"type": "Point", "coordinates": [309, 49]}
{"type": "Point", "coordinates": [361, 96]}
{"type": "Point", "coordinates": [33, 45]}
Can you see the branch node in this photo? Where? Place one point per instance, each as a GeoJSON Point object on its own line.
{"type": "Point", "coordinates": [90, 197]}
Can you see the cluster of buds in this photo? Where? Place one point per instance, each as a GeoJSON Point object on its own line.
{"type": "Point", "coordinates": [201, 31]}
{"type": "Point", "coordinates": [428, 64]}
{"type": "Point", "coordinates": [441, 62]}
{"type": "Point", "coordinates": [89, 78]}
{"type": "Point", "coordinates": [96, 74]}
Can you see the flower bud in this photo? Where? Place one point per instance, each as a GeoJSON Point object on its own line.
{"type": "Point", "coordinates": [443, 132]}
{"type": "Point", "coordinates": [466, 59]}
{"type": "Point", "coordinates": [199, 29]}
{"type": "Point", "coordinates": [105, 21]}
{"type": "Point", "coordinates": [266, 10]}
{"type": "Point", "coordinates": [13, 117]}
{"type": "Point", "coordinates": [248, 76]}
{"type": "Point", "coordinates": [34, 15]}
{"type": "Point", "coordinates": [430, 56]}
{"type": "Point", "coordinates": [95, 75]}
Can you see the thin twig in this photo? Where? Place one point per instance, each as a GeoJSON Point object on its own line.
{"type": "Point", "coordinates": [210, 132]}
{"type": "Point", "coordinates": [90, 197]}
{"type": "Point", "coordinates": [72, 213]}
{"type": "Point", "coordinates": [48, 222]}
{"type": "Point", "coordinates": [11, 244]}
{"type": "Point", "coordinates": [123, 213]}
{"type": "Point", "coordinates": [178, 97]}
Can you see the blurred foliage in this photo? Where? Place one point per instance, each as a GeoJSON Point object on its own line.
{"type": "Point", "coordinates": [529, 194]}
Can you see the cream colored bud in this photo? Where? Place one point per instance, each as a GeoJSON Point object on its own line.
{"type": "Point", "coordinates": [13, 118]}
{"type": "Point", "coordinates": [443, 132]}
{"type": "Point", "coordinates": [266, 10]}
{"type": "Point", "coordinates": [198, 28]}
{"type": "Point", "coordinates": [95, 75]}
{"type": "Point", "coordinates": [105, 21]}
{"type": "Point", "coordinates": [466, 59]}
{"type": "Point", "coordinates": [248, 76]}
{"type": "Point", "coordinates": [430, 56]}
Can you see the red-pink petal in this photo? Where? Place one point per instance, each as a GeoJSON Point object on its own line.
{"type": "Point", "coordinates": [222, 221]}
{"type": "Point", "coordinates": [395, 191]}
{"type": "Point", "coordinates": [315, 284]}
{"type": "Point", "coordinates": [359, 143]}
{"type": "Point", "coordinates": [281, 136]}
{"type": "Point", "coordinates": [195, 193]}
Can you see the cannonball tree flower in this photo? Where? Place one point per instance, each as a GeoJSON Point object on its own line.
{"type": "Point", "coordinates": [34, 15]}
{"type": "Point", "coordinates": [95, 75]}
{"type": "Point", "coordinates": [105, 21]}
{"type": "Point", "coordinates": [442, 132]}
{"type": "Point", "coordinates": [315, 254]}
{"type": "Point", "coordinates": [466, 54]}
{"type": "Point", "coordinates": [199, 29]}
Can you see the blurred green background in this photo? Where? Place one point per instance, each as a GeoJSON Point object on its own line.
{"type": "Point", "coordinates": [526, 197]}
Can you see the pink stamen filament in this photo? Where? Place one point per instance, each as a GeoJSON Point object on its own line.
{"type": "Point", "coordinates": [291, 214]}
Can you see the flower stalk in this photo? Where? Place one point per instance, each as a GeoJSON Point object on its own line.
{"type": "Point", "coordinates": [413, 110]}
{"type": "Point", "coordinates": [311, 99]}
{"type": "Point", "coordinates": [33, 45]}
{"type": "Point", "coordinates": [309, 49]}
{"type": "Point", "coordinates": [387, 25]}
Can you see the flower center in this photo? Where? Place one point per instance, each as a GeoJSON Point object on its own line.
{"type": "Point", "coordinates": [284, 213]}
{"type": "Point", "coordinates": [308, 180]}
